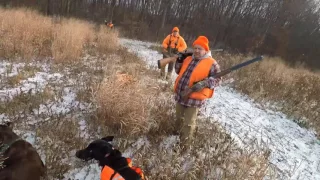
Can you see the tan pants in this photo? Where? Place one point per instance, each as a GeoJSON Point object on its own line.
{"type": "Point", "coordinates": [186, 123]}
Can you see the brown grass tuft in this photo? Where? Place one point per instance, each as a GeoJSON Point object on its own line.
{"type": "Point", "coordinates": [123, 107]}
{"type": "Point", "coordinates": [58, 143]}
{"type": "Point", "coordinates": [129, 99]}
{"type": "Point", "coordinates": [107, 40]}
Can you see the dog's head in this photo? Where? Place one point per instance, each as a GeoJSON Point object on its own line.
{"type": "Point", "coordinates": [97, 149]}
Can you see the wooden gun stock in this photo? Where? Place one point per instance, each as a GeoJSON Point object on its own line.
{"type": "Point", "coordinates": [163, 62]}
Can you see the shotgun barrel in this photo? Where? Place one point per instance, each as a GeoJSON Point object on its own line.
{"type": "Point", "coordinates": [197, 86]}
{"type": "Point", "coordinates": [238, 66]}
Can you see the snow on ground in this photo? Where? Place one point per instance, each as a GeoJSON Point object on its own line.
{"type": "Point", "coordinates": [295, 151]}
{"type": "Point", "coordinates": [64, 87]}
{"type": "Point", "coordinates": [32, 84]}
{"type": "Point", "coordinates": [89, 172]}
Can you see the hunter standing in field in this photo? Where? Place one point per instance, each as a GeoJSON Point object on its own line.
{"type": "Point", "coordinates": [198, 68]}
{"type": "Point", "coordinates": [172, 44]}
{"type": "Point", "coordinates": [109, 24]}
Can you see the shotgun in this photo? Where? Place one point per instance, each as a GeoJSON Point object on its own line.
{"type": "Point", "coordinates": [198, 85]}
{"type": "Point", "coordinates": [238, 66]}
{"type": "Point", "coordinates": [163, 62]}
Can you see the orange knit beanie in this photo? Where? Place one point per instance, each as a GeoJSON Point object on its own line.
{"type": "Point", "coordinates": [175, 29]}
{"type": "Point", "coordinates": [203, 42]}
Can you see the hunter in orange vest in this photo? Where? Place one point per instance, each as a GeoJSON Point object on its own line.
{"type": "Point", "coordinates": [171, 45]}
{"type": "Point", "coordinates": [109, 24]}
{"type": "Point", "coordinates": [197, 69]}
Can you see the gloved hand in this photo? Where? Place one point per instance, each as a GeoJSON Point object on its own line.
{"type": "Point", "coordinates": [185, 94]}
{"type": "Point", "coordinates": [183, 56]}
{"type": "Point", "coordinates": [195, 88]}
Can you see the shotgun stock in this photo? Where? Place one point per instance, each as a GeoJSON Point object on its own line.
{"type": "Point", "coordinates": [163, 62]}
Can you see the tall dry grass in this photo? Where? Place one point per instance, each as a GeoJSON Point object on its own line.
{"type": "Point", "coordinates": [296, 91]}
{"type": "Point", "coordinates": [24, 33]}
{"type": "Point", "coordinates": [70, 37]}
{"type": "Point", "coordinates": [29, 35]}
{"type": "Point", "coordinates": [107, 40]}
{"type": "Point", "coordinates": [58, 144]}
{"type": "Point", "coordinates": [128, 98]}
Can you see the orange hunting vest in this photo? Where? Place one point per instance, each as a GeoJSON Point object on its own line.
{"type": "Point", "coordinates": [110, 25]}
{"type": "Point", "coordinates": [199, 73]}
{"type": "Point", "coordinates": [109, 174]}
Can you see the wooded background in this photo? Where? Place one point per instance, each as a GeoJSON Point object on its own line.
{"type": "Point", "coordinates": [285, 28]}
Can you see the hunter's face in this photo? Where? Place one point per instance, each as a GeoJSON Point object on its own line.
{"type": "Point", "coordinates": [198, 51]}
{"type": "Point", "coordinates": [175, 33]}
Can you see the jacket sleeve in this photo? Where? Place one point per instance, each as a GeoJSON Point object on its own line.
{"type": "Point", "coordinates": [166, 42]}
{"type": "Point", "coordinates": [182, 45]}
{"type": "Point", "coordinates": [214, 82]}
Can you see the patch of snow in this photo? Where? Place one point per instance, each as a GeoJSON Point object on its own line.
{"type": "Point", "coordinates": [31, 85]}
{"type": "Point", "coordinates": [135, 147]}
{"type": "Point", "coordinates": [169, 142]}
{"type": "Point", "coordinates": [3, 118]}
{"type": "Point", "coordinates": [89, 172]}
{"type": "Point", "coordinates": [64, 102]}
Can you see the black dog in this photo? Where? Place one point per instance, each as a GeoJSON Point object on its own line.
{"type": "Point", "coordinates": [102, 151]}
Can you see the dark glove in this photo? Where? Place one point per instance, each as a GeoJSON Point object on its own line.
{"type": "Point", "coordinates": [200, 85]}
{"type": "Point", "coordinates": [183, 56]}
{"type": "Point", "coordinates": [195, 88]}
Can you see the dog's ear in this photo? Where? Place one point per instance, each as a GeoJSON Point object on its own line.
{"type": "Point", "coordinates": [108, 138]}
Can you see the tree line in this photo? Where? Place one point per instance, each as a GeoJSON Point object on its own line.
{"type": "Point", "coordinates": [285, 28]}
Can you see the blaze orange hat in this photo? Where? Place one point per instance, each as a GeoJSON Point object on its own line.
{"type": "Point", "coordinates": [203, 42]}
{"type": "Point", "coordinates": [175, 29]}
